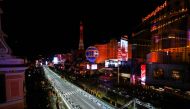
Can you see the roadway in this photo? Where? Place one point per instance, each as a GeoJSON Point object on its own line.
{"type": "Point", "coordinates": [73, 96]}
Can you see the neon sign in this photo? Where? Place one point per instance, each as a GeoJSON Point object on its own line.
{"type": "Point", "coordinates": [159, 8]}
{"type": "Point", "coordinates": [92, 53]}
{"type": "Point", "coordinates": [143, 74]}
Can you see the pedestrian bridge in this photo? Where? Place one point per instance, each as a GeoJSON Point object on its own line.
{"type": "Point", "coordinates": [133, 103]}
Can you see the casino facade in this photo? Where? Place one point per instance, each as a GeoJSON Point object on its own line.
{"type": "Point", "coordinates": [169, 57]}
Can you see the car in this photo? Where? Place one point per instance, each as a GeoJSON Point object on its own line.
{"type": "Point", "coordinates": [98, 104]}
{"type": "Point", "coordinates": [127, 96]}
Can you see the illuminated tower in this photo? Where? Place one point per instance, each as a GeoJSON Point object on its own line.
{"type": "Point", "coordinates": [81, 43]}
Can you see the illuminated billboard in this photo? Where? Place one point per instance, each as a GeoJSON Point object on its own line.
{"type": "Point", "coordinates": [158, 73]}
{"type": "Point", "coordinates": [112, 63]}
{"type": "Point", "coordinates": [55, 60]}
{"type": "Point", "coordinates": [176, 74]}
{"type": "Point", "coordinates": [123, 50]}
{"type": "Point", "coordinates": [106, 63]}
{"type": "Point", "coordinates": [88, 66]}
{"type": "Point", "coordinates": [143, 74]}
{"type": "Point", "coordinates": [59, 58]}
{"type": "Point", "coordinates": [94, 67]}
{"type": "Point", "coordinates": [91, 66]}
{"type": "Point", "coordinates": [133, 79]}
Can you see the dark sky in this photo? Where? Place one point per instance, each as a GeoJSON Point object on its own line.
{"type": "Point", "coordinates": [49, 26]}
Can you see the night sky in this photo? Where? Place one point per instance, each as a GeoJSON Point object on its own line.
{"type": "Point", "coordinates": [48, 26]}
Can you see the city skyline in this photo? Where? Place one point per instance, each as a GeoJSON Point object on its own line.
{"type": "Point", "coordinates": [46, 27]}
{"type": "Point", "coordinates": [95, 55]}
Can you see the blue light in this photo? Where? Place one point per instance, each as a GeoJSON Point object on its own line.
{"type": "Point", "coordinates": [91, 54]}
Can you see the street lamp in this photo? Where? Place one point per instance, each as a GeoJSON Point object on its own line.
{"type": "Point", "coordinates": [118, 63]}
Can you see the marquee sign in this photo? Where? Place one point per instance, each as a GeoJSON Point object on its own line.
{"type": "Point", "coordinates": [159, 8]}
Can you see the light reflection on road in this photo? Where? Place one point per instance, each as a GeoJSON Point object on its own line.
{"type": "Point", "coordinates": [73, 96]}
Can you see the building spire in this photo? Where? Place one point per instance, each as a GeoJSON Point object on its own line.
{"type": "Point", "coordinates": [81, 43]}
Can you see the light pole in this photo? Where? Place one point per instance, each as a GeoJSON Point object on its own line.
{"type": "Point", "coordinates": [118, 72]}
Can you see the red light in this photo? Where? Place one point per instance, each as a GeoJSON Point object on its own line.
{"type": "Point", "coordinates": [143, 73]}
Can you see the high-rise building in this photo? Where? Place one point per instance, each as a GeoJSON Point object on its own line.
{"type": "Point", "coordinates": [141, 45]}
{"type": "Point", "coordinates": [103, 52]}
{"type": "Point", "coordinates": [169, 27]}
{"type": "Point", "coordinates": [169, 57]}
{"type": "Point", "coordinates": [107, 51]}
{"type": "Point", "coordinates": [112, 49]}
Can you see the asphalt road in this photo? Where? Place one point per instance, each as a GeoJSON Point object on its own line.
{"type": "Point", "coordinates": [73, 96]}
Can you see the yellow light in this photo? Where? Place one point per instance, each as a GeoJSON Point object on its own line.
{"type": "Point", "coordinates": [171, 37]}
{"type": "Point", "coordinates": [159, 8]}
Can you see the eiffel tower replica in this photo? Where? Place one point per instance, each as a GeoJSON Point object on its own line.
{"type": "Point", "coordinates": [81, 43]}
{"type": "Point", "coordinates": [81, 52]}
